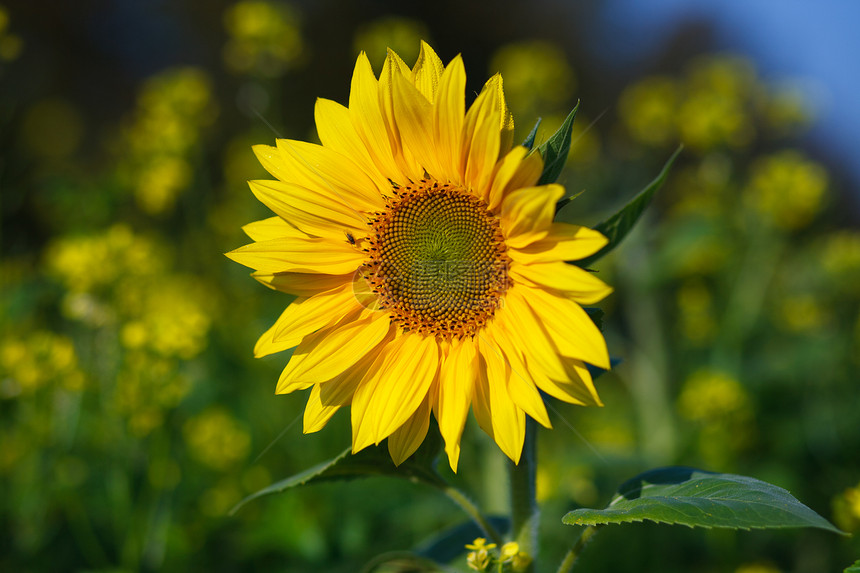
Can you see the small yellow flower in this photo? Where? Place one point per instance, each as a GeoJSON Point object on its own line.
{"type": "Point", "coordinates": [480, 543]}
{"type": "Point", "coordinates": [509, 551]}
{"type": "Point", "coordinates": [479, 558]}
{"type": "Point", "coordinates": [429, 272]}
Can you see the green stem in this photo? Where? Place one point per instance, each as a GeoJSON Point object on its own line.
{"type": "Point", "coordinates": [475, 513]}
{"type": "Point", "coordinates": [573, 554]}
{"type": "Point", "coordinates": [524, 508]}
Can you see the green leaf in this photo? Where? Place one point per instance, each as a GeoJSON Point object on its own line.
{"type": "Point", "coordinates": [855, 568]}
{"type": "Point", "coordinates": [555, 149]}
{"type": "Point", "coordinates": [372, 461]}
{"type": "Point", "coordinates": [697, 498]}
{"type": "Point", "coordinates": [401, 562]}
{"type": "Point", "coordinates": [562, 203]}
{"type": "Point", "coordinates": [616, 227]}
{"type": "Point", "coordinates": [530, 138]}
{"type": "Point", "coordinates": [448, 544]}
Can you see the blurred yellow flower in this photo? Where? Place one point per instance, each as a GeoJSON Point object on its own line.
{"type": "Point", "coordinates": [146, 387]}
{"type": "Point", "coordinates": [801, 312]}
{"type": "Point", "coordinates": [10, 44]}
{"type": "Point", "coordinates": [538, 77]}
{"type": "Point", "coordinates": [217, 439]}
{"type": "Point", "coordinates": [173, 108]}
{"type": "Point", "coordinates": [695, 309]}
{"type": "Point", "coordinates": [265, 37]}
{"type": "Point", "coordinates": [840, 259]}
{"type": "Point", "coordinates": [36, 360]}
{"type": "Point", "coordinates": [402, 35]}
{"type": "Point", "coordinates": [89, 263]}
{"type": "Point", "coordinates": [710, 395]}
{"type": "Point", "coordinates": [722, 410]}
{"type": "Point", "coordinates": [648, 109]}
{"type": "Point", "coordinates": [787, 189]}
{"type": "Point", "coordinates": [846, 509]}
{"type": "Point", "coordinates": [708, 119]}
{"type": "Point", "coordinates": [420, 243]}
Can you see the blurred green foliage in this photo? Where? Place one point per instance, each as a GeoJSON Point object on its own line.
{"type": "Point", "coordinates": [133, 417]}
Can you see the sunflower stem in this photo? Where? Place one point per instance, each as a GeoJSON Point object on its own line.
{"type": "Point", "coordinates": [574, 552]}
{"type": "Point", "coordinates": [475, 513]}
{"type": "Point", "coordinates": [524, 508]}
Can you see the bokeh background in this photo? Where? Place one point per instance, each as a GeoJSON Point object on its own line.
{"type": "Point", "coordinates": [133, 416]}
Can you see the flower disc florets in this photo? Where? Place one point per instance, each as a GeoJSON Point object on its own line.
{"type": "Point", "coordinates": [438, 260]}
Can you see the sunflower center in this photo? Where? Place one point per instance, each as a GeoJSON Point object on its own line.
{"type": "Point", "coordinates": [438, 260]}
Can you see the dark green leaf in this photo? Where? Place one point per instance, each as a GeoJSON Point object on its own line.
{"type": "Point", "coordinates": [696, 498]}
{"type": "Point", "coordinates": [555, 149]}
{"type": "Point", "coordinates": [595, 314]}
{"type": "Point", "coordinates": [618, 225]}
{"type": "Point", "coordinates": [400, 562]}
{"type": "Point", "coordinates": [530, 138]}
{"type": "Point", "coordinates": [372, 461]}
{"type": "Point", "coordinates": [448, 544]}
{"type": "Point", "coordinates": [563, 202]}
{"type": "Point", "coordinates": [855, 568]}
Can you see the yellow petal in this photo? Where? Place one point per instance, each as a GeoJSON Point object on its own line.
{"type": "Point", "coordinates": [318, 359]}
{"type": "Point", "coordinates": [569, 327]}
{"type": "Point", "coordinates": [577, 386]}
{"type": "Point", "coordinates": [337, 392]}
{"type": "Point", "coordinates": [316, 214]}
{"type": "Point", "coordinates": [508, 420]}
{"type": "Point", "coordinates": [427, 71]}
{"type": "Point", "coordinates": [266, 344]}
{"type": "Point", "coordinates": [414, 116]}
{"type": "Point", "coordinates": [509, 165]}
{"type": "Point", "coordinates": [302, 284]}
{"type": "Point", "coordinates": [448, 121]}
{"type": "Point", "coordinates": [507, 122]}
{"type": "Point", "coordinates": [392, 68]}
{"type": "Point", "coordinates": [456, 384]}
{"type": "Point", "coordinates": [521, 386]}
{"type": "Point", "coordinates": [564, 242]}
{"type": "Point", "coordinates": [337, 132]}
{"type": "Point", "coordinates": [573, 282]}
{"type": "Point", "coordinates": [367, 118]}
{"type": "Point", "coordinates": [327, 171]}
{"type": "Point", "coordinates": [399, 384]}
{"type": "Point", "coordinates": [403, 442]}
{"type": "Point", "coordinates": [527, 334]}
{"type": "Point", "coordinates": [271, 228]}
{"type": "Point", "coordinates": [527, 213]}
{"type": "Point", "coordinates": [317, 414]}
{"type": "Point", "coordinates": [480, 146]}
{"type": "Point", "coordinates": [481, 397]}
{"type": "Point", "coordinates": [312, 255]}
{"type": "Point", "coordinates": [313, 313]}
{"type": "Point", "coordinates": [527, 174]}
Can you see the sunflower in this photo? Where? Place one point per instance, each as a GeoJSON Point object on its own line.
{"type": "Point", "coordinates": [428, 272]}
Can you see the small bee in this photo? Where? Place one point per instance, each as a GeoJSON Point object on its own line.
{"type": "Point", "coordinates": [350, 239]}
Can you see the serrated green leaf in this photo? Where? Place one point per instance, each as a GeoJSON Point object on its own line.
{"type": "Point", "coordinates": [529, 141]}
{"type": "Point", "coordinates": [855, 568]}
{"type": "Point", "coordinates": [696, 498]}
{"type": "Point", "coordinates": [555, 149]}
{"type": "Point", "coordinates": [616, 227]}
{"type": "Point", "coordinates": [445, 546]}
{"type": "Point", "coordinates": [371, 461]}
